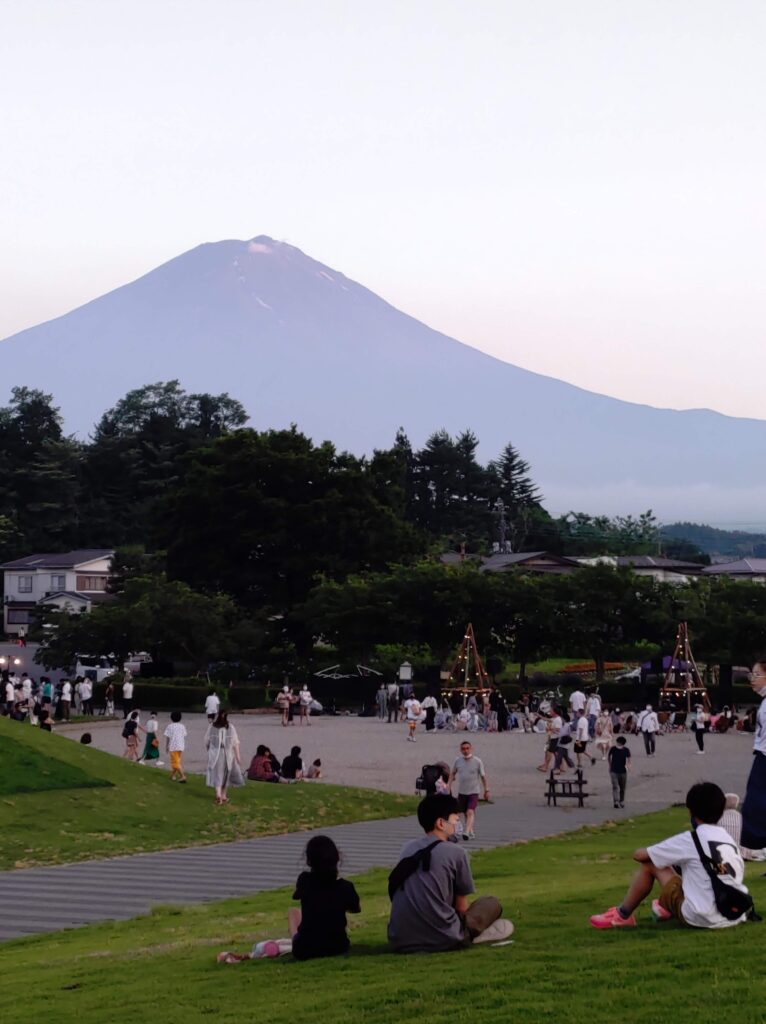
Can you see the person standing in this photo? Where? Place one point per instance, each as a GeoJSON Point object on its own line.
{"type": "Point", "coordinates": [698, 725]}
{"type": "Point", "coordinates": [754, 806]}
{"type": "Point", "coordinates": [10, 696]}
{"type": "Point", "coordinates": [151, 743]}
{"type": "Point", "coordinates": [283, 703]}
{"type": "Point", "coordinates": [413, 712]}
{"type": "Point", "coordinates": [224, 767]}
{"type": "Point", "coordinates": [393, 702]}
{"type": "Point", "coordinates": [175, 743]}
{"type": "Point", "coordinates": [212, 705]}
{"type": "Point", "coordinates": [304, 703]}
{"type": "Point", "coordinates": [582, 737]}
{"type": "Point", "coordinates": [649, 726]}
{"type": "Point", "coordinates": [127, 693]}
{"type": "Point", "coordinates": [109, 700]}
{"type": "Point", "coordinates": [553, 726]}
{"type": "Point", "coordinates": [430, 705]}
{"type": "Point", "coordinates": [576, 704]}
{"type": "Point", "coordinates": [604, 734]}
{"type": "Point", "coordinates": [381, 698]}
{"type": "Point", "coordinates": [619, 763]}
{"type": "Point", "coordinates": [66, 699]}
{"type": "Point", "coordinates": [130, 735]}
{"type": "Point", "coordinates": [86, 696]}
{"type": "Point", "coordinates": [592, 711]}
{"type": "Point", "coordinates": [468, 772]}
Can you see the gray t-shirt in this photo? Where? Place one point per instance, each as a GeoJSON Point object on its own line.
{"type": "Point", "coordinates": [468, 775]}
{"type": "Point", "coordinates": [423, 917]}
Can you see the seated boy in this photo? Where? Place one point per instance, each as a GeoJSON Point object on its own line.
{"type": "Point", "coordinates": [689, 896]}
{"type": "Point", "coordinates": [430, 912]}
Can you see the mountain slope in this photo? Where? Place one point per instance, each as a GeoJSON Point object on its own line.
{"type": "Point", "coordinates": [296, 341]}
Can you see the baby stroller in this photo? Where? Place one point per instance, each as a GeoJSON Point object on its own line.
{"type": "Point", "coordinates": [428, 778]}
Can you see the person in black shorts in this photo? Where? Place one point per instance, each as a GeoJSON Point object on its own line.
{"type": "Point", "coordinates": [619, 762]}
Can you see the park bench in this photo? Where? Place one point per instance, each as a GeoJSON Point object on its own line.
{"type": "Point", "coordinates": [564, 788]}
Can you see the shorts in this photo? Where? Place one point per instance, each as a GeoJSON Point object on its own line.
{"type": "Point", "coordinates": [552, 745]}
{"type": "Point", "coordinates": [175, 760]}
{"type": "Point", "coordinates": [467, 802]}
{"type": "Point", "coordinates": [672, 896]}
{"type": "Point", "coordinates": [579, 747]}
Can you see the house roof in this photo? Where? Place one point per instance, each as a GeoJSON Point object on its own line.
{"type": "Point", "coordinates": [742, 567]}
{"type": "Point", "coordinates": [542, 561]}
{"type": "Point", "coordinates": [59, 560]}
{"type": "Point", "coordinates": [63, 593]}
{"type": "Point", "coordinates": [656, 562]}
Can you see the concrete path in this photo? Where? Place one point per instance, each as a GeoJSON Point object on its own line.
{"type": "Point", "coordinates": [37, 900]}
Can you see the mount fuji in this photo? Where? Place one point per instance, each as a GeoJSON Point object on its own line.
{"type": "Point", "coordinates": [296, 341]}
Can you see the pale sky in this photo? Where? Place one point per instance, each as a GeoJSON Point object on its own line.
{"type": "Point", "coordinates": [576, 186]}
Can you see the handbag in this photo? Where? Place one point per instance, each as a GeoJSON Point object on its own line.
{"type": "Point", "coordinates": [731, 902]}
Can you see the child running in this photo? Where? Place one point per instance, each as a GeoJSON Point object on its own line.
{"type": "Point", "coordinates": [318, 929]}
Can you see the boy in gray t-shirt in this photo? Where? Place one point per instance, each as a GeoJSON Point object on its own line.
{"type": "Point", "coordinates": [430, 912]}
{"type": "Point", "coordinates": [468, 772]}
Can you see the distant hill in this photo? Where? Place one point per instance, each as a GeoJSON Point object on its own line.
{"type": "Point", "coordinates": [715, 542]}
{"type": "Point", "coordinates": [296, 341]}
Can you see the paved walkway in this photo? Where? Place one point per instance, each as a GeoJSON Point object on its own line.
{"type": "Point", "coordinates": [48, 899]}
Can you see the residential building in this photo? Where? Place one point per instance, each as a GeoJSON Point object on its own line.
{"type": "Point", "coordinates": [743, 569]}
{"type": "Point", "coordinates": [72, 580]}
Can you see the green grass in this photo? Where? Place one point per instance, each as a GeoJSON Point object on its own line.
{"type": "Point", "coordinates": [142, 810]}
{"type": "Point", "coordinates": [557, 968]}
{"type": "Point", "coordinates": [24, 769]}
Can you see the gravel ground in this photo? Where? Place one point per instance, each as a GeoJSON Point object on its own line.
{"type": "Point", "coordinates": [366, 752]}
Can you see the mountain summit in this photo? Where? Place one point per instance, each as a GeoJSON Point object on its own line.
{"type": "Point", "coordinates": [296, 341]}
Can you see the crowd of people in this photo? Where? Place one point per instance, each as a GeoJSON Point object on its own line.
{"type": "Point", "coordinates": [41, 701]}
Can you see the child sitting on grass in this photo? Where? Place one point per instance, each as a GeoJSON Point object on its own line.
{"type": "Point", "coordinates": [318, 929]}
{"type": "Point", "coordinates": [688, 897]}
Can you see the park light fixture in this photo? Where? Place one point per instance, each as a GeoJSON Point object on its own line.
{"type": "Point", "coordinates": [405, 672]}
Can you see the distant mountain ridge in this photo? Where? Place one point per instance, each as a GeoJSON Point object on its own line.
{"type": "Point", "coordinates": [297, 341]}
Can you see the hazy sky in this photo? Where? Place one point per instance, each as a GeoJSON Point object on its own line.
{"type": "Point", "coordinates": [575, 186]}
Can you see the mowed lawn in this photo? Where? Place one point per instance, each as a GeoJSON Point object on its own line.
{"type": "Point", "coordinates": [118, 807]}
{"type": "Point", "coordinates": [162, 967]}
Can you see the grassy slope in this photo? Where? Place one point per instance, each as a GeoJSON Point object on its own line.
{"type": "Point", "coordinates": [557, 968]}
{"type": "Point", "coordinates": [24, 769]}
{"type": "Point", "coordinates": [143, 810]}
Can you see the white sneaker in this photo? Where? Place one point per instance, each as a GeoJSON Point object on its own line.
{"type": "Point", "coordinates": [497, 931]}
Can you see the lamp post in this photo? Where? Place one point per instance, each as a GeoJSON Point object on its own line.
{"type": "Point", "coordinates": [405, 675]}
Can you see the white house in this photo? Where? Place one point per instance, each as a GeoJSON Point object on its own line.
{"type": "Point", "coordinates": [72, 580]}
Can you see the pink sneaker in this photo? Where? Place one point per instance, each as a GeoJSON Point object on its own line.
{"type": "Point", "coordinates": [612, 919]}
{"type": "Point", "coordinates": [659, 913]}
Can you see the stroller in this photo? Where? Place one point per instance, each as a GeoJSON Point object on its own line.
{"type": "Point", "coordinates": [429, 776]}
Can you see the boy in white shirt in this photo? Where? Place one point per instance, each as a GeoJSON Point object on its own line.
{"type": "Point", "coordinates": [582, 737]}
{"type": "Point", "coordinates": [175, 743]}
{"type": "Point", "coordinates": [689, 898]}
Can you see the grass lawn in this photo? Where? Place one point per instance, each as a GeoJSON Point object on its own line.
{"type": "Point", "coordinates": [558, 967]}
{"type": "Point", "coordinates": [25, 769]}
{"type": "Point", "coordinates": [141, 809]}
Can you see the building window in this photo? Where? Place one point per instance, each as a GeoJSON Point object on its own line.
{"type": "Point", "coordinates": [58, 582]}
{"type": "Point", "coordinates": [25, 584]}
{"type": "Point", "coordinates": [18, 617]}
{"type": "Point", "coordinates": [91, 582]}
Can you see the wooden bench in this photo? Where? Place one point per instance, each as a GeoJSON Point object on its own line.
{"type": "Point", "coordinates": [564, 788]}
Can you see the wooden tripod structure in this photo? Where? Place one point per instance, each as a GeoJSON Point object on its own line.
{"type": "Point", "coordinates": [468, 670]}
{"type": "Point", "coordinates": [681, 681]}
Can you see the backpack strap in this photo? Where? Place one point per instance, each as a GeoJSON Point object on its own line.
{"type": "Point", "coordinates": [408, 866]}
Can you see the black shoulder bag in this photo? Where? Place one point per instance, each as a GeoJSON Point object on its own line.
{"type": "Point", "coordinates": [408, 866]}
{"type": "Point", "coordinates": [731, 902]}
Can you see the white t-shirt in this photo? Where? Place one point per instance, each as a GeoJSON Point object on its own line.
{"type": "Point", "coordinates": [66, 691]}
{"type": "Point", "coordinates": [212, 704]}
{"type": "Point", "coordinates": [305, 698]}
{"type": "Point", "coordinates": [582, 735]}
{"type": "Point", "coordinates": [175, 733]}
{"type": "Point", "coordinates": [413, 709]}
{"type": "Point", "coordinates": [26, 687]}
{"type": "Point", "coordinates": [127, 690]}
{"type": "Point", "coordinates": [577, 700]}
{"type": "Point", "coordinates": [698, 908]}
{"type": "Point", "coordinates": [9, 694]}
{"type": "Point", "coordinates": [554, 726]}
{"type": "Point", "coordinates": [86, 690]}
{"type": "Point", "coordinates": [593, 704]}
{"type": "Point", "coordinates": [759, 742]}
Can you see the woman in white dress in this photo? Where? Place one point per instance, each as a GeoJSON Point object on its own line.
{"type": "Point", "coordinates": [224, 767]}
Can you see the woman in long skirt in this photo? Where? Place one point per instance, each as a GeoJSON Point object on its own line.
{"type": "Point", "coordinates": [224, 767]}
{"type": "Point", "coordinates": [151, 743]}
{"type": "Point", "coordinates": [754, 807]}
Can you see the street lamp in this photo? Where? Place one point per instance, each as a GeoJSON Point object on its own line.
{"type": "Point", "coordinates": [9, 661]}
